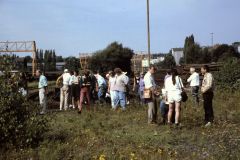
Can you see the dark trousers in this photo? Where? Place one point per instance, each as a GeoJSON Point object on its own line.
{"type": "Point", "coordinates": [195, 94]}
{"type": "Point", "coordinates": [208, 108]}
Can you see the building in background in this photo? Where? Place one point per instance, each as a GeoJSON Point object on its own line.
{"type": "Point", "coordinates": [140, 60]}
{"type": "Point", "coordinates": [177, 54]}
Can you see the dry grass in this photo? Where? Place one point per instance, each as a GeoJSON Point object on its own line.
{"type": "Point", "coordinates": [105, 134]}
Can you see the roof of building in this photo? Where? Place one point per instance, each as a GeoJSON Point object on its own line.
{"type": "Point", "coordinates": [177, 49]}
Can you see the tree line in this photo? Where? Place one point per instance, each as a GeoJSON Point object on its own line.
{"type": "Point", "coordinates": [195, 54]}
{"type": "Point", "coordinates": [116, 55]}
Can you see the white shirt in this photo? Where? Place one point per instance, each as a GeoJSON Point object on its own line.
{"type": "Point", "coordinates": [170, 87]}
{"type": "Point", "coordinates": [120, 83]}
{"type": "Point", "coordinates": [66, 78]}
{"type": "Point", "coordinates": [74, 79]}
{"type": "Point", "coordinates": [194, 79]}
{"type": "Point", "coordinates": [149, 81]}
{"type": "Point", "coordinates": [111, 83]}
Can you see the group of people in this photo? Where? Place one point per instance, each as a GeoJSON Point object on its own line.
{"type": "Point", "coordinates": [173, 87]}
{"type": "Point", "coordinates": [86, 88]}
{"type": "Point", "coordinates": [76, 90]}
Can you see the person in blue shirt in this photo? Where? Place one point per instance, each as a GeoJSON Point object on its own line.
{"type": "Point", "coordinates": [42, 86]}
{"type": "Point", "coordinates": [102, 87]}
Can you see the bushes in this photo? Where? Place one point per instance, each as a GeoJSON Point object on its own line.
{"type": "Point", "coordinates": [229, 75]}
{"type": "Point", "coordinates": [20, 124]}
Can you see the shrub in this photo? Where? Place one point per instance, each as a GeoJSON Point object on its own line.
{"type": "Point", "coordinates": [229, 75]}
{"type": "Point", "coordinates": [20, 124]}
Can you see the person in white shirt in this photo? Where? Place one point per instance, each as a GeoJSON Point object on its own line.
{"type": "Point", "coordinates": [174, 86]}
{"type": "Point", "coordinates": [194, 84]}
{"type": "Point", "coordinates": [119, 88]}
{"type": "Point", "coordinates": [152, 103]}
{"type": "Point", "coordinates": [66, 77]}
{"type": "Point", "coordinates": [111, 81]}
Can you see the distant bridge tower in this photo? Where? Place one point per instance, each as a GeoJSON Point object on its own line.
{"type": "Point", "coordinates": [84, 60]}
{"type": "Point", "coordinates": [21, 46]}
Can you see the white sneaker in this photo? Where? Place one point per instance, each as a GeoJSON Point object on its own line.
{"type": "Point", "coordinates": [208, 124]}
{"type": "Point", "coordinates": [70, 106]}
{"type": "Point", "coordinates": [73, 107]}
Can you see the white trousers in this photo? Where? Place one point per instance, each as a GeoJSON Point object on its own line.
{"type": "Point", "coordinates": [64, 97]}
{"type": "Point", "coordinates": [43, 100]}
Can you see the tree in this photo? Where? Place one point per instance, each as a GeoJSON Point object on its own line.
{"type": "Point", "coordinates": [72, 63]}
{"type": "Point", "coordinates": [192, 51]}
{"type": "Point", "coordinates": [49, 60]}
{"type": "Point", "coordinates": [168, 62]}
{"type": "Point", "coordinates": [223, 52]}
{"type": "Point", "coordinates": [59, 59]}
{"type": "Point", "coordinates": [205, 56]}
{"type": "Point", "coordinates": [113, 56]}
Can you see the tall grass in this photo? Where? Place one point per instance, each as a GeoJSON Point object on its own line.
{"type": "Point", "coordinates": [107, 134]}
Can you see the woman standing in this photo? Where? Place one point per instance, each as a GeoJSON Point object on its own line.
{"type": "Point", "coordinates": [174, 87]}
{"type": "Point", "coordinates": [111, 81]}
{"type": "Point", "coordinates": [85, 83]}
{"type": "Point", "coordinates": [75, 88]}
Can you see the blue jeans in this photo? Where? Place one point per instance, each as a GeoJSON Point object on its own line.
{"type": "Point", "coordinates": [101, 94]}
{"type": "Point", "coordinates": [120, 97]}
{"type": "Point", "coordinates": [195, 94]}
{"type": "Point", "coordinates": [163, 109]}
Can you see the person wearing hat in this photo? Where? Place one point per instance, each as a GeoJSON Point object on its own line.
{"type": "Point", "coordinates": [66, 77]}
{"type": "Point", "coordinates": [194, 84]}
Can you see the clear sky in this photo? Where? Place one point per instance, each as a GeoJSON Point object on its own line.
{"type": "Point", "coordinates": [73, 26]}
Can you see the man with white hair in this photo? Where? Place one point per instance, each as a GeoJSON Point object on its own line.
{"type": "Point", "coordinates": [66, 77]}
{"type": "Point", "coordinates": [194, 84]}
{"type": "Point", "coordinates": [42, 86]}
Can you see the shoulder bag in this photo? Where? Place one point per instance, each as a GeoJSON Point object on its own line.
{"type": "Point", "coordinates": [183, 93]}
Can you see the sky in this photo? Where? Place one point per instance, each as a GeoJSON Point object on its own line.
{"type": "Point", "coordinates": [85, 26]}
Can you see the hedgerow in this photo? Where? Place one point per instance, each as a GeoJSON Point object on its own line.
{"type": "Point", "coordinates": [20, 124]}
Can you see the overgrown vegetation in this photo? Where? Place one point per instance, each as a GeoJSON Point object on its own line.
{"type": "Point", "coordinates": [20, 124]}
{"type": "Point", "coordinates": [168, 62]}
{"type": "Point", "coordinates": [105, 134]}
{"type": "Point", "coordinates": [229, 75]}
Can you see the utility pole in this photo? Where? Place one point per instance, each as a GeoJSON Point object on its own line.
{"type": "Point", "coordinates": [148, 33]}
{"type": "Point", "coordinates": [212, 38]}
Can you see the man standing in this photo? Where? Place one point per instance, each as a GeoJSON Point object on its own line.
{"type": "Point", "coordinates": [207, 91]}
{"type": "Point", "coordinates": [102, 88]}
{"type": "Point", "coordinates": [150, 85]}
{"type": "Point", "coordinates": [66, 77]}
{"type": "Point", "coordinates": [194, 84]}
{"type": "Point", "coordinates": [42, 86]}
